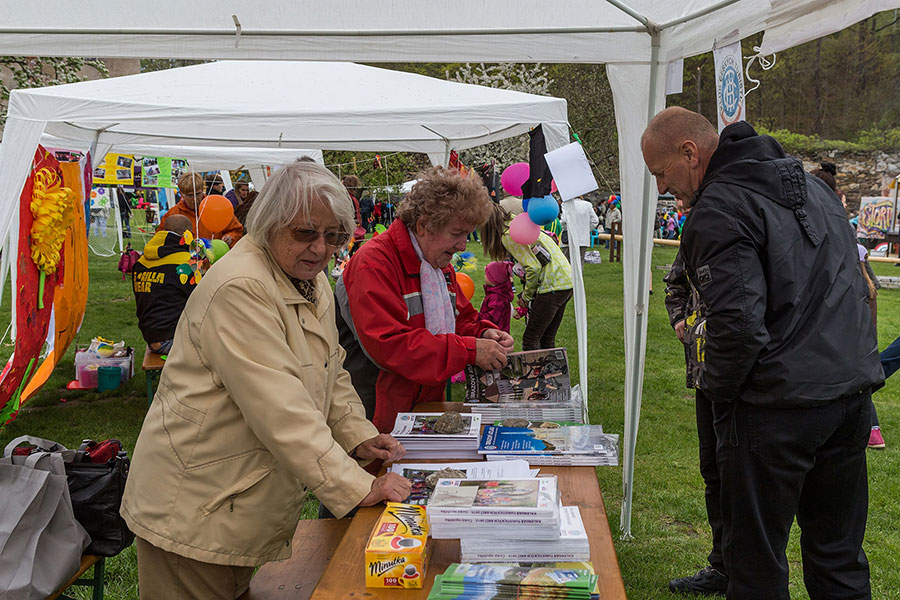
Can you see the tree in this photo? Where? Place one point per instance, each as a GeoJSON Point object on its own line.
{"type": "Point", "coordinates": [519, 77]}
{"type": "Point", "coordinates": [389, 170]}
{"type": "Point", "coordinates": [42, 71]}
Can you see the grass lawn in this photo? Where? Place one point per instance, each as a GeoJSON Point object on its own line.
{"type": "Point", "coordinates": [671, 536]}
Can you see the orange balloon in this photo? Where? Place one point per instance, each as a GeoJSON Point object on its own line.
{"type": "Point", "coordinates": [216, 212]}
{"type": "Point", "coordinates": [466, 285]}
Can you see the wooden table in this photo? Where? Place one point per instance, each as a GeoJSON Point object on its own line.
{"type": "Point", "coordinates": [344, 577]}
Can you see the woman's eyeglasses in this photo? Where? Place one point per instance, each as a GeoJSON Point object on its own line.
{"type": "Point", "coordinates": [308, 236]}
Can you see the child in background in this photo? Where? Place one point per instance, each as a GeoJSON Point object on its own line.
{"type": "Point", "coordinates": [498, 294]}
{"type": "Point", "coordinates": [127, 260]}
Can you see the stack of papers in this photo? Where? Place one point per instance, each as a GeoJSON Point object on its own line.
{"type": "Point", "coordinates": [511, 582]}
{"type": "Point", "coordinates": [416, 432]}
{"type": "Point", "coordinates": [533, 385]}
{"type": "Point", "coordinates": [417, 472]}
{"type": "Point", "coordinates": [551, 444]}
{"type": "Point", "coordinates": [515, 509]}
{"type": "Point", "coordinates": [572, 545]}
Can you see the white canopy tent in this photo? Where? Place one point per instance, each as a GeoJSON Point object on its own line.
{"type": "Point", "coordinates": [636, 38]}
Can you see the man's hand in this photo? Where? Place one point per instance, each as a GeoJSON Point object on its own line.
{"type": "Point", "coordinates": [489, 355]}
{"type": "Point", "coordinates": [390, 487]}
{"type": "Point", "coordinates": [382, 446]}
{"type": "Point", "coordinates": [501, 337]}
{"type": "Point", "coordinates": [679, 330]}
{"type": "Point", "coordinates": [228, 240]}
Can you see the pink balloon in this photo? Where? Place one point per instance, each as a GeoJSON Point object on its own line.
{"type": "Point", "coordinates": [513, 177]}
{"type": "Point", "coordinates": [523, 230]}
{"type": "Point", "coordinates": [553, 187]}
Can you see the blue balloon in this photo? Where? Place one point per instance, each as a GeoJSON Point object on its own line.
{"type": "Point", "coordinates": [525, 204]}
{"type": "Point", "coordinates": [543, 210]}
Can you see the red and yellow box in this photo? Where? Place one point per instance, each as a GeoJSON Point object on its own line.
{"type": "Point", "coordinates": [396, 554]}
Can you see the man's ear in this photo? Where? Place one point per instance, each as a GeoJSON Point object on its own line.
{"type": "Point", "coordinates": [690, 152]}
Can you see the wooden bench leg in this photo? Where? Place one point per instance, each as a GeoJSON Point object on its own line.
{"type": "Point", "coordinates": [152, 377]}
{"type": "Point", "coordinates": [95, 581]}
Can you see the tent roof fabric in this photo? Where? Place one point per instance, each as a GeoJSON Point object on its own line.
{"type": "Point", "coordinates": [287, 104]}
{"type": "Point", "coordinates": [613, 31]}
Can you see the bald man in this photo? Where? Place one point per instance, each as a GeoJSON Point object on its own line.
{"type": "Point", "coordinates": [790, 357]}
{"type": "Point", "coordinates": [159, 292]}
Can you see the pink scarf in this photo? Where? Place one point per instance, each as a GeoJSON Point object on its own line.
{"type": "Point", "coordinates": [439, 313]}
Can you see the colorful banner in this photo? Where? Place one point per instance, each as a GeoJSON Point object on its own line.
{"type": "Point", "coordinates": [116, 169]}
{"type": "Point", "coordinates": [876, 216]}
{"type": "Point", "coordinates": [159, 171]}
{"type": "Point", "coordinates": [730, 85]}
{"type": "Point", "coordinates": [101, 197]}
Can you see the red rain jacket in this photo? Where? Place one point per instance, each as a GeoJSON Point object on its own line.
{"type": "Point", "coordinates": [385, 301]}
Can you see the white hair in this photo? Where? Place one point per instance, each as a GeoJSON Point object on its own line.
{"type": "Point", "coordinates": [290, 191]}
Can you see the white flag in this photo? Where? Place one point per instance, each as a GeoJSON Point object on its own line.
{"type": "Point", "coordinates": [730, 85]}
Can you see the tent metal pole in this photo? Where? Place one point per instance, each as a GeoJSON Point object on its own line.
{"type": "Point", "coordinates": [696, 15]}
{"type": "Point", "coordinates": [640, 310]}
{"type": "Point", "coordinates": [249, 33]}
{"type": "Point", "coordinates": [647, 23]}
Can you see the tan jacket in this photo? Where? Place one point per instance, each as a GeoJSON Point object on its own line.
{"type": "Point", "coordinates": [254, 407]}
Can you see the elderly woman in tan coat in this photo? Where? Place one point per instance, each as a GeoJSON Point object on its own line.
{"type": "Point", "coordinates": [254, 406]}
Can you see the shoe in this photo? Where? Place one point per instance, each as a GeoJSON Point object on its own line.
{"type": "Point", "coordinates": [705, 582]}
{"type": "Point", "coordinates": [876, 440]}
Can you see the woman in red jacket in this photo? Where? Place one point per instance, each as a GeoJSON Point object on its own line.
{"type": "Point", "coordinates": [404, 323]}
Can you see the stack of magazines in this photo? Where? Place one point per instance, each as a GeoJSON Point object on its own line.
{"type": "Point", "coordinates": [550, 443]}
{"type": "Point", "coordinates": [533, 385]}
{"type": "Point", "coordinates": [572, 545]}
{"type": "Point", "coordinates": [416, 431]}
{"type": "Point", "coordinates": [511, 582]}
{"type": "Point", "coordinates": [514, 509]}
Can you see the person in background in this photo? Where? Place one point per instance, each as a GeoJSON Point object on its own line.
{"type": "Point", "coordinates": [159, 292]}
{"type": "Point", "coordinates": [238, 194]}
{"type": "Point", "coordinates": [215, 185]}
{"type": "Point", "coordinates": [512, 205]}
{"type": "Point", "coordinates": [404, 322]}
{"type": "Point", "coordinates": [353, 184]}
{"type": "Point", "coordinates": [124, 212]}
{"type": "Point", "coordinates": [827, 173]}
{"type": "Point", "coordinates": [366, 208]}
{"type": "Point", "coordinates": [191, 187]}
{"type": "Point", "coordinates": [580, 219]}
{"type": "Point", "coordinates": [244, 207]}
{"type": "Point", "coordinates": [498, 294]}
{"type": "Point", "coordinates": [687, 315]}
{"type": "Point", "coordinates": [254, 406]}
{"type": "Point", "coordinates": [613, 216]}
{"type": "Point", "coordinates": [548, 278]}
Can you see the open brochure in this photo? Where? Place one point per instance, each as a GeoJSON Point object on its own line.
{"type": "Point", "coordinates": [533, 376]}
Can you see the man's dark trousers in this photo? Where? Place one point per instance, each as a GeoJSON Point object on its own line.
{"type": "Point", "coordinates": [706, 434]}
{"type": "Point", "coordinates": [776, 463]}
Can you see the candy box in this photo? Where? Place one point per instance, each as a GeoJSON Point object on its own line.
{"type": "Point", "coordinates": [396, 552]}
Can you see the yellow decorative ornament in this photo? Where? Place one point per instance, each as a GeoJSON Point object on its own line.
{"type": "Point", "coordinates": [53, 210]}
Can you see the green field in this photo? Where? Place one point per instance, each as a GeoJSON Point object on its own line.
{"type": "Point", "coordinates": [671, 536]}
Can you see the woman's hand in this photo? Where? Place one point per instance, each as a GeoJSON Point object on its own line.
{"type": "Point", "coordinates": [382, 446]}
{"type": "Point", "coordinates": [390, 487]}
{"type": "Point", "coordinates": [501, 337]}
{"type": "Point", "coordinates": [489, 354]}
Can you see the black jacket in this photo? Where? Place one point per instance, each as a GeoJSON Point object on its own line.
{"type": "Point", "coordinates": [683, 304]}
{"type": "Point", "coordinates": [769, 250]}
{"type": "Point", "coordinates": [159, 292]}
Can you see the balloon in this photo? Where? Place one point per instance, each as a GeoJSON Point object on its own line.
{"type": "Point", "coordinates": [466, 285]}
{"type": "Point", "coordinates": [553, 187]}
{"type": "Point", "coordinates": [207, 243]}
{"type": "Point", "coordinates": [217, 250]}
{"type": "Point", "coordinates": [513, 177]}
{"type": "Point", "coordinates": [543, 210]}
{"type": "Point", "coordinates": [216, 212]}
{"type": "Point", "coordinates": [525, 204]}
{"type": "Point", "coordinates": [523, 230]}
